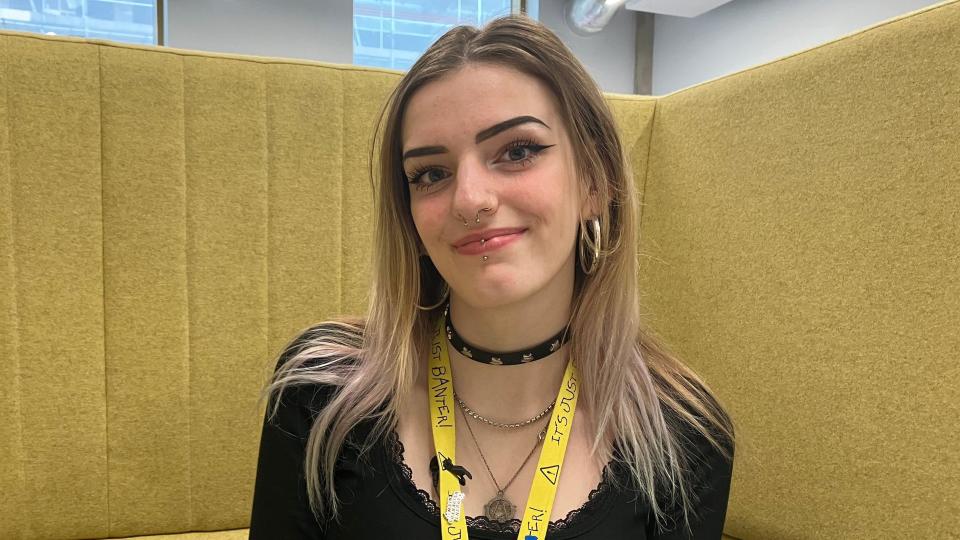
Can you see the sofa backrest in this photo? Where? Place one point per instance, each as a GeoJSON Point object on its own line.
{"type": "Point", "coordinates": [801, 247]}
{"type": "Point", "coordinates": [170, 218]}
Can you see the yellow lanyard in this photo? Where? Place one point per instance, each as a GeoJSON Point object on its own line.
{"type": "Point", "coordinates": [536, 515]}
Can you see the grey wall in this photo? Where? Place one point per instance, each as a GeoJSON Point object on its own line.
{"type": "Point", "coordinates": [323, 30]}
{"type": "Point", "coordinates": [745, 33]}
{"type": "Point", "coordinates": [610, 56]}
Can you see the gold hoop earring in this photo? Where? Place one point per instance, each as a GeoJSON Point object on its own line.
{"type": "Point", "coordinates": [595, 245]}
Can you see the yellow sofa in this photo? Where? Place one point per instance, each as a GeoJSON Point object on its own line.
{"type": "Point", "coordinates": [169, 218]}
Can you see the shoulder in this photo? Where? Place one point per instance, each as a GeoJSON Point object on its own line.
{"type": "Point", "coordinates": [710, 463]}
{"type": "Point", "coordinates": [682, 422]}
{"type": "Point", "coordinates": [327, 336]}
{"type": "Point", "coordinates": [691, 436]}
{"type": "Point", "coordinates": [314, 362]}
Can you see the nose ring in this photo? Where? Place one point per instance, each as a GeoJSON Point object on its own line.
{"type": "Point", "coordinates": [478, 216]}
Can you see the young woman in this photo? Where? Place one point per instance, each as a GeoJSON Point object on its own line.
{"type": "Point", "coordinates": [502, 384]}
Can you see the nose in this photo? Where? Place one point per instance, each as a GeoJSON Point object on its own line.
{"type": "Point", "coordinates": [474, 191]}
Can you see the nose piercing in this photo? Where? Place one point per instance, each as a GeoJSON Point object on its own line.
{"type": "Point", "coordinates": [478, 216]}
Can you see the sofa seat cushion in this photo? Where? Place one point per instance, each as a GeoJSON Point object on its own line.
{"type": "Point", "coordinates": [234, 534]}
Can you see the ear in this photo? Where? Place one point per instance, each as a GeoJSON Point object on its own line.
{"type": "Point", "coordinates": [591, 204]}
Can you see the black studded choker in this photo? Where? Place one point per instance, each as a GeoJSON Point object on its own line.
{"type": "Point", "coordinates": [525, 356]}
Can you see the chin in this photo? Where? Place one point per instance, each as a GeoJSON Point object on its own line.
{"type": "Point", "coordinates": [492, 295]}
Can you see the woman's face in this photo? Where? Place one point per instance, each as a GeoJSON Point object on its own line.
{"type": "Point", "coordinates": [459, 161]}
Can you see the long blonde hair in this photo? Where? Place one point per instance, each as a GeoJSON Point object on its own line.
{"type": "Point", "coordinates": [629, 378]}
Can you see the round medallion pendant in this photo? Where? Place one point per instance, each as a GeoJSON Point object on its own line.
{"type": "Point", "coordinates": [499, 508]}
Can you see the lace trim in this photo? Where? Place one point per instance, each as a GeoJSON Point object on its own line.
{"type": "Point", "coordinates": [597, 496]}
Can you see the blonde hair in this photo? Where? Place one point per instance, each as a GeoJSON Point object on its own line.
{"type": "Point", "coordinates": [631, 383]}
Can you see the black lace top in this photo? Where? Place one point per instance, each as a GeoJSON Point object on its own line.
{"type": "Point", "coordinates": [404, 482]}
{"type": "Point", "coordinates": [381, 501]}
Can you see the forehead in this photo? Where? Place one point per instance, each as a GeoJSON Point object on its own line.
{"type": "Point", "coordinates": [473, 98]}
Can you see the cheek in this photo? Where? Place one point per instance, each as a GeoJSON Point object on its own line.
{"type": "Point", "coordinates": [554, 204]}
{"type": "Point", "coordinates": [428, 215]}
{"type": "Point", "coordinates": [546, 195]}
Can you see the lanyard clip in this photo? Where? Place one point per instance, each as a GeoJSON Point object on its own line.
{"type": "Point", "coordinates": [456, 470]}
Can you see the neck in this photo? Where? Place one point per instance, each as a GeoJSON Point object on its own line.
{"type": "Point", "coordinates": [509, 393]}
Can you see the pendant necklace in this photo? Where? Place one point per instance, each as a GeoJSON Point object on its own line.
{"type": "Point", "coordinates": [443, 418]}
{"type": "Point", "coordinates": [500, 508]}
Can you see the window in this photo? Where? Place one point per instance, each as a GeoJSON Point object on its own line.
{"type": "Point", "coordinates": [131, 21]}
{"type": "Point", "coordinates": [394, 33]}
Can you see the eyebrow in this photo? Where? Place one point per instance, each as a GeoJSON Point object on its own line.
{"type": "Point", "coordinates": [481, 136]}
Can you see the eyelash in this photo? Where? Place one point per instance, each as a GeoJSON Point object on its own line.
{"type": "Point", "coordinates": [534, 148]}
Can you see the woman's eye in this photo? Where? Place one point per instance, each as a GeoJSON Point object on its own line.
{"type": "Point", "coordinates": [417, 177]}
{"type": "Point", "coordinates": [519, 152]}
{"type": "Point", "coordinates": [523, 151]}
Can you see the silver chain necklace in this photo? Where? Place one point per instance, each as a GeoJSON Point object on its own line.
{"type": "Point", "coordinates": [500, 508]}
{"type": "Point", "coordinates": [473, 414]}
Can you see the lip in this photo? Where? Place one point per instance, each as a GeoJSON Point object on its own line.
{"type": "Point", "coordinates": [493, 239]}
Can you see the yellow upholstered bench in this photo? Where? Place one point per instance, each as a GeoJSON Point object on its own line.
{"type": "Point", "coordinates": [169, 218]}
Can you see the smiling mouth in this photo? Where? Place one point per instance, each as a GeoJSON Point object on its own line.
{"type": "Point", "coordinates": [489, 244]}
